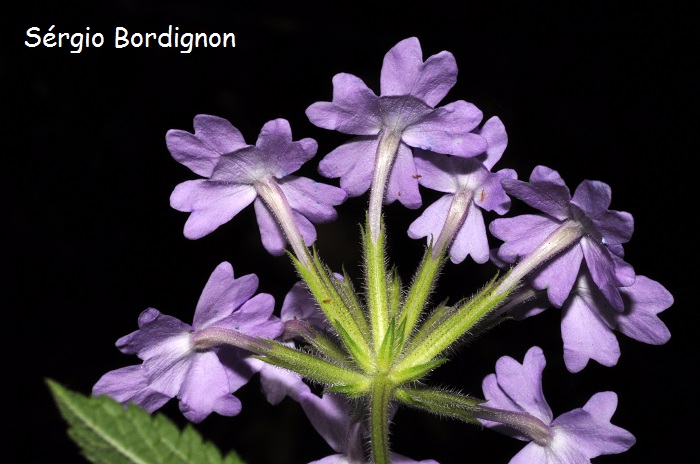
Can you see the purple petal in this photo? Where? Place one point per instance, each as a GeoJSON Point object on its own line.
{"type": "Point", "coordinates": [624, 272]}
{"type": "Point", "coordinates": [211, 204]}
{"type": "Point", "coordinates": [613, 439]}
{"type": "Point", "coordinates": [536, 454]}
{"type": "Point", "coordinates": [586, 336]}
{"type": "Point", "coordinates": [559, 275]}
{"type": "Point", "coordinates": [643, 301]}
{"type": "Point", "coordinates": [306, 228]}
{"type": "Point", "coordinates": [491, 196]}
{"type": "Point", "coordinates": [523, 383]}
{"type": "Point", "coordinates": [521, 234]}
{"type": "Point", "coordinates": [401, 459]}
{"type": "Point", "coordinates": [222, 295]}
{"type": "Point", "coordinates": [201, 151]}
{"type": "Point", "coordinates": [437, 171]}
{"type": "Point", "coordinates": [495, 134]}
{"type": "Point", "coordinates": [471, 238]}
{"type": "Point", "coordinates": [299, 304]}
{"type": "Point", "coordinates": [237, 366]}
{"type": "Point", "coordinates": [353, 162]}
{"type": "Point", "coordinates": [432, 220]}
{"type": "Point", "coordinates": [255, 318]}
{"type": "Point", "coordinates": [275, 146]}
{"type": "Point", "coordinates": [273, 238]}
{"type": "Point", "coordinates": [313, 199]}
{"type": "Point", "coordinates": [205, 389]}
{"type": "Point", "coordinates": [589, 430]}
{"type": "Point", "coordinates": [154, 328]}
{"type": "Point", "coordinates": [593, 197]}
{"type": "Point", "coordinates": [404, 73]}
{"type": "Point", "coordinates": [615, 226]}
{"type": "Point", "coordinates": [329, 415]}
{"type": "Point", "coordinates": [546, 192]}
{"type": "Point", "coordinates": [400, 112]}
{"type": "Point", "coordinates": [354, 110]}
{"type": "Point", "coordinates": [278, 383]}
{"type": "Point", "coordinates": [448, 130]}
{"type": "Point", "coordinates": [130, 385]}
{"type": "Point", "coordinates": [602, 269]}
{"type": "Point", "coordinates": [403, 182]}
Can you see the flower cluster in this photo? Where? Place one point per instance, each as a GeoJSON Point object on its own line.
{"type": "Point", "coordinates": [370, 352]}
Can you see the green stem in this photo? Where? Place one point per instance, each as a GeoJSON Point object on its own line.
{"type": "Point", "coordinates": [351, 327]}
{"type": "Point", "coordinates": [452, 329]}
{"type": "Point", "coordinates": [314, 368]}
{"type": "Point", "coordinates": [379, 420]}
{"type": "Point", "coordinates": [422, 285]}
{"type": "Point", "coordinates": [377, 293]}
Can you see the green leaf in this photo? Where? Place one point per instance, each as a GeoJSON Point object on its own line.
{"type": "Point", "coordinates": [417, 372]}
{"type": "Point", "coordinates": [110, 433]}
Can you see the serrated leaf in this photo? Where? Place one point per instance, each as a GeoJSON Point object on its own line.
{"type": "Point", "coordinates": [109, 433]}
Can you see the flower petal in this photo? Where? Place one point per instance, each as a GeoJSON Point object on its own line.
{"type": "Point", "coordinates": [403, 182]}
{"type": "Point", "coordinates": [278, 383]}
{"type": "Point", "coordinates": [201, 151]}
{"type": "Point", "coordinates": [491, 196]}
{"type": "Point", "coordinates": [130, 385]}
{"type": "Point", "coordinates": [602, 268]}
{"type": "Point", "coordinates": [313, 199]}
{"type": "Point", "coordinates": [559, 275]}
{"type": "Point", "coordinates": [546, 192]}
{"type": "Point", "coordinates": [222, 295]}
{"type": "Point", "coordinates": [521, 234]}
{"type": "Point", "coordinates": [586, 336]}
{"type": "Point", "coordinates": [589, 429]}
{"type": "Point", "coordinates": [354, 109]}
{"type": "Point", "coordinates": [495, 134]}
{"type": "Point", "coordinates": [643, 301]}
{"type": "Point", "coordinates": [211, 204]}
{"type": "Point", "coordinates": [438, 171]}
{"type": "Point", "coordinates": [471, 238]}
{"type": "Point", "coordinates": [330, 416]}
{"type": "Point", "coordinates": [273, 238]}
{"type": "Point", "coordinates": [523, 383]}
{"type": "Point", "coordinates": [404, 73]}
{"type": "Point", "coordinates": [205, 389]}
{"type": "Point", "coordinates": [353, 162]}
{"type": "Point", "coordinates": [278, 152]}
{"type": "Point", "coordinates": [431, 221]}
{"type": "Point", "coordinates": [448, 130]}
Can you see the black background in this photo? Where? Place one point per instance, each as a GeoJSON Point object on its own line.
{"type": "Point", "coordinates": [596, 91]}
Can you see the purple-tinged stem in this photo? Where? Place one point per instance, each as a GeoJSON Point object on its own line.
{"type": "Point", "coordinates": [211, 337]}
{"type": "Point", "coordinates": [523, 422]}
{"type": "Point", "coordinates": [386, 154]}
{"type": "Point", "coordinates": [275, 199]}
{"type": "Point", "coordinates": [562, 238]}
{"type": "Point", "coordinates": [459, 207]}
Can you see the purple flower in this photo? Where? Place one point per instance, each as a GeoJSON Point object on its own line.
{"type": "Point", "coordinates": [515, 398]}
{"type": "Point", "coordinates": [300, 305]}
{"type": "Point", "coordinates": [404, 116]}
{"type": "Point", "coordinates": [180, 360]}
{"type": "Point", "coordinates": [237, 174]}
{"type": "Point", "coordinates": [331, 415]}
{"type": "Point", "coordinates": [572, 229]}
{"type": "Point", "coordinates": [456, 219]}
{"type": "Point", "coordinates": [588, 320]}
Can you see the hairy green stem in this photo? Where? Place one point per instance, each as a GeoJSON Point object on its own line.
{"type": "Point", "coordinates": [379, 419]}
